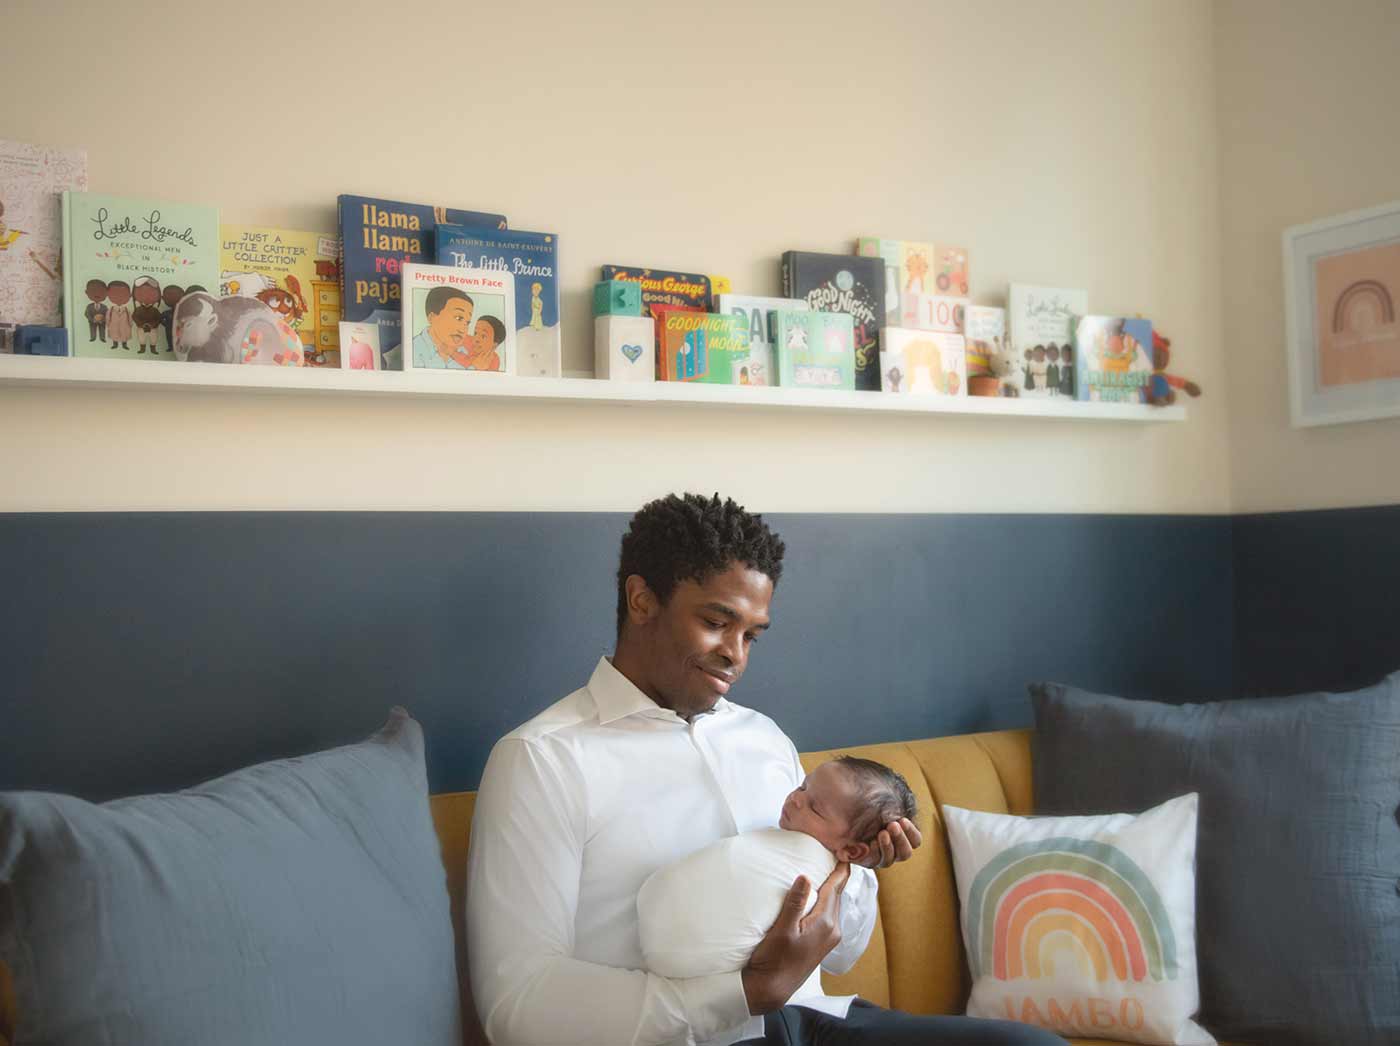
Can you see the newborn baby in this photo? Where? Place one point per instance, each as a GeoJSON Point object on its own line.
{"type": "Point", "coordinates": [706, 913]}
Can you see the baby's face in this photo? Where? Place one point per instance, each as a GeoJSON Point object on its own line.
{"type": "Point", "coordinates": [822, 807]}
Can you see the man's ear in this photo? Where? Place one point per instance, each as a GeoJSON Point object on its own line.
{"type": "Point", "coordinates": [642, 604]}
{"type": "Point", "coordinates": [854, 853]}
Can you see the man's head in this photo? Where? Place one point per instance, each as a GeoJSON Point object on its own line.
{"type": "Point", "coordinates": [694, 584]}
{"type": "Point", "coordinates": [449, 313]}
{"type": "Point", "coordinates": [844, 803]}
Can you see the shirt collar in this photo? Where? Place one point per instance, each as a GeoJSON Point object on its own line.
{"type": "Point", "coordinates": [616, 697]}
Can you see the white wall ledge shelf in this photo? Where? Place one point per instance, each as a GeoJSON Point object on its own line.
{"type": "Point", "coordinates": [45, 371]}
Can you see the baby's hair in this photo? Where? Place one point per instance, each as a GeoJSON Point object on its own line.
{"type": "Point", "coordinates": [884, 794]}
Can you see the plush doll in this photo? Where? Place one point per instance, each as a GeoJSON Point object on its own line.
{"type": "Point", "coordinates": [1007, 367]}
{"type": "Point", "coordinates": [1161, 391]}
{"type": "Point", "coordinates": [234, 329]}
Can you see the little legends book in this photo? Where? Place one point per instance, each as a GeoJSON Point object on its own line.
{"type": "Point", "coordinates": [294, 273]}
{"type": "Point", "coordinates": [378, 238]}
{"type": "Point", "coordinates": [848, 284]}
{"type": "Point", "coordinates": [700, 346]}
{"type": "Point", "coordinates": [126, 264]}
{"type": "Point", "coordinates": [531, 259]}
{"type": "Point", "coordinates": [1041, 319]}
{"type": "Point", "coordinates": [32, 177]}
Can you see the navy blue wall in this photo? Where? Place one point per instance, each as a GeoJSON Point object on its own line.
{"type": "Point", "coordinates": [1317, 599]}
{"type": "Point", "coordinates": [142, 652]}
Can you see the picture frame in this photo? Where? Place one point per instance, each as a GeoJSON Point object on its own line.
{"type": "Point", "coordinates": [458, 319]}
{"type": "Point", "coordinates": [1341, 279]}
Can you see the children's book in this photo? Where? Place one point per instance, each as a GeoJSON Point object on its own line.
{"type": "Point", "coordinates": [815, 350]}
{"type": "Point", "coordinates": [378, 238]}
{"type": "Point", "coordinates": [699, 346]}
{"type": "Point", "coordinates": [662, 287]}
{"type": "Point", "coordinates": [1111, 361]}
{"type": "Point", "coordinates": [359, 346]}
{"type": "Point", "coordinates": [984, 329]}
{"type": "Point", "coordinates": [294, 273]}
{"type": "Point", "coordinates": [1040, 319]}
{"type": "Point", "coordinates": [933, 312]}
{"type": "Point", "coordinates": [458, 319]}
{"type": "Point", "coordinates": [32, 178]}
{"type": "Point", "coordinates": [126, 265]}
{"type": "Point", "coordinates": [891, 253]}
{"type": "Point", "coordinates": [756, 314]}
{"type": "Point", "coordinates": [532, 261]}
{"type": "Point", "coordinates": [915, 362]}
{"type": "Point", "coordinates": [843, 283]}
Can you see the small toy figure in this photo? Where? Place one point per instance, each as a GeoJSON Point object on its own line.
{"type": "Point", "coordinates": [1006, 367]}
{"type": "Point", "coordinates": [1161, 391]}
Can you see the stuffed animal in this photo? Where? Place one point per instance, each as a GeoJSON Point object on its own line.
{"type": "Point", "coordinates": [1006, 366]}
{"type": "Point", "coordinates": [1161, 391]}
{"type": "Point", "coordinates": [233, 330]}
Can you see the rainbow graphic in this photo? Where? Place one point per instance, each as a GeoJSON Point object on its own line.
{"type": "Point", "coordinates": [1038, 898]}
{"type": "Point", "coordinates": [1357, 293]}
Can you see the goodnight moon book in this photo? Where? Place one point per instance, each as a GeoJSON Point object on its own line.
{"type": "Point", "coordinates": [126, 264]}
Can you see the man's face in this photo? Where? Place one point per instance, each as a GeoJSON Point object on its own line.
{"type": "Point", "coordinates": [822, 806]}
{"type": "Point", "coordinates": [697, 645]}
{"type": "Point", "coordinates": [450, 326]}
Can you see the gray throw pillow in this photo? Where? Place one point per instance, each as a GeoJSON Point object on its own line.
{"type": "Point", "coordinates": [1298, 917]}
{"type": "Point", "coordinates": [299, 901]}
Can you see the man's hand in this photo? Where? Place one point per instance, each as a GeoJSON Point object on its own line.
{"type": "Point", "coordinates": [795, 945]}
{"type": "Point", "coordinates": [896, 842]}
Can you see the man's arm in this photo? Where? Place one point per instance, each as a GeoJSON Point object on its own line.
{"type": "Point", "coordinates": [522, 895]}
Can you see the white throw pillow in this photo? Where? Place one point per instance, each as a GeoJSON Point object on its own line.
{"type": "Point", "coordinates": [1083, 925]}
{"type": "Point", "coordinates": [706, 913]}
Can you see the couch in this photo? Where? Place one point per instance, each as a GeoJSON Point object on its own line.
{"type": "Point", "coordinates": [915, 959]}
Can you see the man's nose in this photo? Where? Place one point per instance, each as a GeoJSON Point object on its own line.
{"type": "Point", "coordinates": [732, 649]}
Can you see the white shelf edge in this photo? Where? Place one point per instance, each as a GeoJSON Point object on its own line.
{"type": "Point", "coordinates": [47, 371]}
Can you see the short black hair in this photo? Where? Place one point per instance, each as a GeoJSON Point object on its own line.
{"type": "Point", "coordinates": [689, 537]}
{"type": "Point", "coordinates": [885, 796]}
{"type": "Point", "coordinates": [438, 298]}
{"type": "Point", "coordinates": [498, 329]}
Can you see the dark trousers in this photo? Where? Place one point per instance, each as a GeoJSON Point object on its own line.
{"type": "Point", "coordinates": [871, 1025]}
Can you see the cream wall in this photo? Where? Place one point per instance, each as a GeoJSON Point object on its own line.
{"type": "Point", "coordinates": [1069, 143]}
{"type": "Point", "coordinates": [1308, 96]}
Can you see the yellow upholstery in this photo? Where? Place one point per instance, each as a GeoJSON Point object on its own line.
{"type": "Point", "coordinates": [915, 960]}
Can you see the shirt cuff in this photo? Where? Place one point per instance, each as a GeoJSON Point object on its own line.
{"type": "Point", "coordinates": [713, 1004]}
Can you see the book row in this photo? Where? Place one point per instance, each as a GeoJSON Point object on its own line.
{"type": "Point", "coordinates": [425, 287]}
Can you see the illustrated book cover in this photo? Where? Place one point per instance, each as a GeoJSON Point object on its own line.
{"type": "Point", "coordinates": [847, 284]}
{"type": "Point", "coordinates": [458, 319]}
{"type": "Point", "coordinates": [1040, 319]}
{"type": "Point", "coordinates": [756, 314]}
{"type": "Point", "coordinates": [702, 347]}
{"type": "Point", "coordinates": [916, 362]}
{"type": "Point", "coordinates": [293, 272]}
{"type": "Point", "coordinates": [378, 238]}
{"type": "Point", "coordinates": [531, 259]}
{"type": "Point", "coordinates": [126, 265]}
{"type": "Point", "coordinates": [32, 179]}
{"type": "Point", "coordinates": [1111, 361]}
{"type": "Point", "coordinates": [664, 287]}
{"type": "Point", "coordinates": [815, 350]}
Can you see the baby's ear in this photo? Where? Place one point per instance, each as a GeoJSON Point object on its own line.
{"type": "Point", "coordinates": [853, 853]}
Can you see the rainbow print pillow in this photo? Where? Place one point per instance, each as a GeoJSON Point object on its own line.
{"type": "Point", "coordinates": [1083, 925]}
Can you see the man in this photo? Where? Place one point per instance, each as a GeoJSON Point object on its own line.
{"type": "Point", "coordinates": [646, 764]}
{"type": "Point", "coordinates": [439, 344]}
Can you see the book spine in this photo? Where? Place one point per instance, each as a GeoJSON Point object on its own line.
{"type": "Point", "coordinates": [340, 255]}
{"type": "Point", "coordinates": [788, 275]}
{"type": "Point", "coordinates": [68, 259]}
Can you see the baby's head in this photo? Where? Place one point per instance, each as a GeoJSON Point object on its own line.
{"type": "Point", "coordinates": [844, 803]}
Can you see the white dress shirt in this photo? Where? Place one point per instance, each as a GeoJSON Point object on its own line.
{"type": "Point", "coordinates": [576, 808]}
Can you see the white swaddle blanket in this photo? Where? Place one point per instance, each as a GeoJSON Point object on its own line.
{"type": "Point", "coordinates": [706, 913]}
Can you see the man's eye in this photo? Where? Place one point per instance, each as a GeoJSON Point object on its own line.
{"type": "Point", "coordinates": [751, 639]}
{"type": "Point", "coordinates": [714, 624]}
